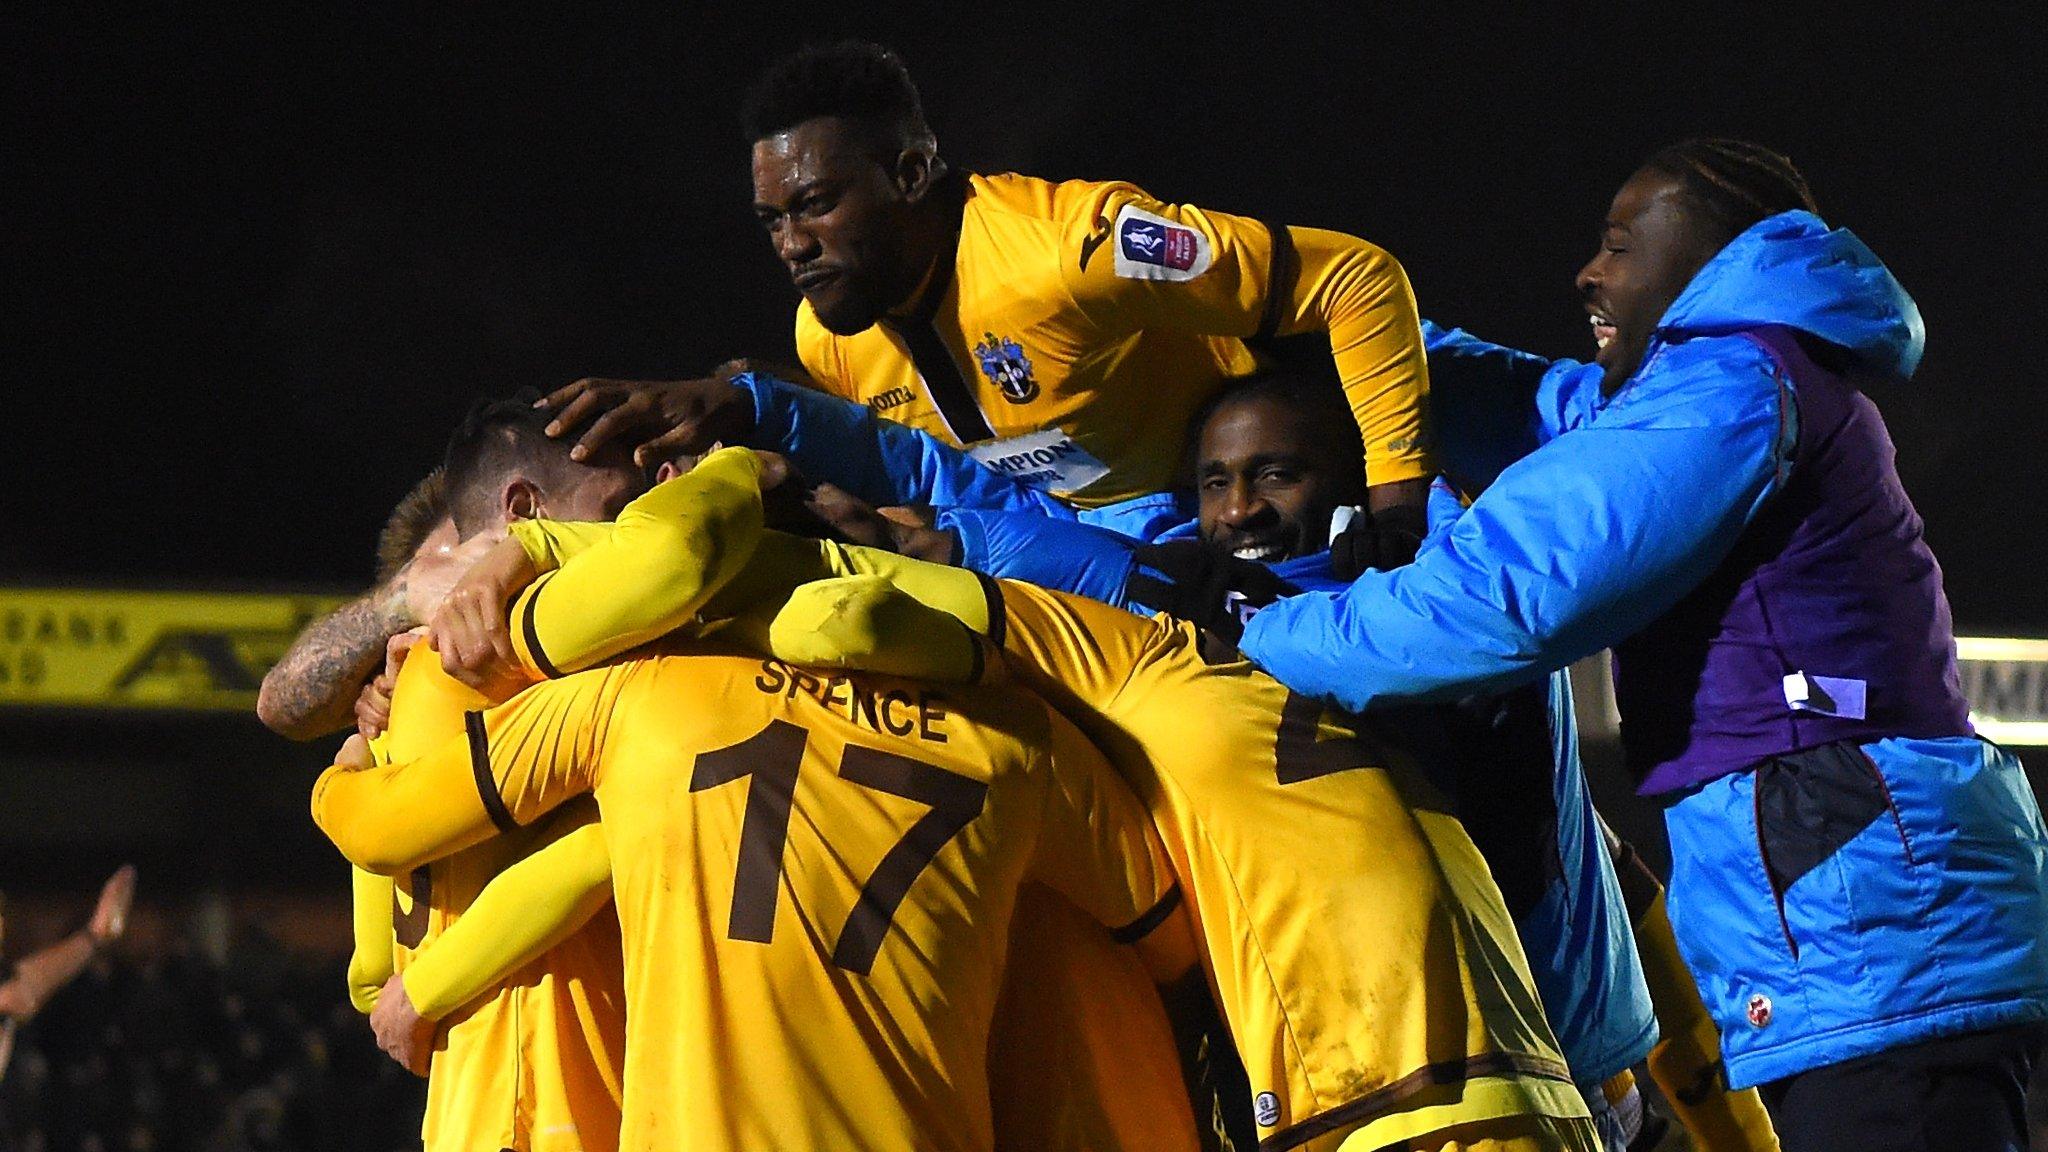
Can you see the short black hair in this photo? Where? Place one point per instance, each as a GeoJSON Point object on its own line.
{"type": "Point", "coordinates": [857, 80]}
{"type": "Point", "coordinates": [1317, 396]}
{"type": "Point", "coordinates": [1734, 182]}
{"type": "Point", "coordinates": [497, 437]}
{"type": "Point", "coordinates": [411, 522]}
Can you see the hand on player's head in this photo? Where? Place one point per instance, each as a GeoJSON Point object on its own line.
{"type": "Point", "coordinates": [657, 419]}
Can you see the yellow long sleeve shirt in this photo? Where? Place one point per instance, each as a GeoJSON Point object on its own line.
{"type": "Point", "coordinates": [1094, 320]}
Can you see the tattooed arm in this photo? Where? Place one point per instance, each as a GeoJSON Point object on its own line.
{"type": "Point", "coordinates": [312, 690]}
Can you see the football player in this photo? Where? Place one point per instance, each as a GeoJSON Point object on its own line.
{"type": "Point", "coordinates": [815, 878]}
{"type": "Point", "coordinates": [1370, 973]}
{"type": "Point", "coordinates": [1063, 333]}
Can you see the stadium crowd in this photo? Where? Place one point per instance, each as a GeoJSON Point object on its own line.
{"type": "Point", "coordinates": [1111, 696]}
{"type": "Point", "coordinates": [183, 1048]}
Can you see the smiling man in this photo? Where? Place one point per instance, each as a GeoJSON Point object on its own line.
{"type": "Point", "coordinates": [1275, 460]}
{"type": "Point", "coordinates": [1857, 880]}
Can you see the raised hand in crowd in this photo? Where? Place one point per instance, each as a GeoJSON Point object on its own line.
{"type": "Point", "coordinates": [38, 977]}
{"type": "Point", "coordinates": [110, 915]}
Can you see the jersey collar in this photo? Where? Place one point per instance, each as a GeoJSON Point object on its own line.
{"type": "Point", "coordinates": [924, 303]}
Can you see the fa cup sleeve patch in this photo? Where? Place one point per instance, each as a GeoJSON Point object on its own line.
{"type": "Point", "coordinates": [1151, 247]}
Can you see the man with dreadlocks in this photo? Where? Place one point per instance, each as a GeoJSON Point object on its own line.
{"type": "Point", "coordinates": [1857, 879]}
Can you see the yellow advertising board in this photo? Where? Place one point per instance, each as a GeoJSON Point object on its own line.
{"type": "Point", "coordinates": [208, 651]}
{"type": "Point", "coordinates": [189, 651]}
{"type": "Point", "coordinates": [2006, 683]}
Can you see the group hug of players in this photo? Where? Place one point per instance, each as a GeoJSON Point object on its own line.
{"type": "Point", "coordinates": [1062, 716]}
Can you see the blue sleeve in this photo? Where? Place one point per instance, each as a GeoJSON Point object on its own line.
{"type": "Point", "coordinates": [877, 460]}
{"type": "Point", "coordinates": [1574, 548]}
{"type": "Point", "coordinates": [1146, 518]}
{"type": "Point", "coordinates": [1061, 554]}
{"type": "Point", "coordinates": [1491, 405]}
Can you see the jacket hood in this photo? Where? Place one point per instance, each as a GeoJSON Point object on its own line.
{"type": "Point", "coordinates": [1792, 269]}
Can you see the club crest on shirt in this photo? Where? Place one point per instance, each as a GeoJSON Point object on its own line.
{"type": "Point", "coordinates": [1006, 366]}
{"type": "Point", "coordinates": [1151, 247]}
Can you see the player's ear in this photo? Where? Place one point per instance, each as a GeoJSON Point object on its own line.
{"type": "Point", "coordinates": [522, 501]}
{"type": "Point", "coordinates": [914, 173]}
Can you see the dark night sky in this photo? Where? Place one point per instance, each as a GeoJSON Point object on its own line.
{"type": "Point", "coordinates": [255, 265]}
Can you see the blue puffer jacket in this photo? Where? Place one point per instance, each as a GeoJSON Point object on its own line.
{"type": "Point", "coordinates": [1858, 897]}
{"type": "Point", "coordinates": [1852, 888]}
{"type": "Point", "coordinates": [1597, 513]}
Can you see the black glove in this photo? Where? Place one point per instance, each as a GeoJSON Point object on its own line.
{"type": "Point", "coordinates": [1385, 539]}
{"type": "Point", "coordinates": [1203, 584]}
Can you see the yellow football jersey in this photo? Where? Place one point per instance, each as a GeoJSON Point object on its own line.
{"type": "Point", "coordinates": [1373, 979]}
{"type": "Point", "coordinates": [1081, 1057]}
{"type": "Point", "coordinates": [535, 1063]}
{"type": "Point", "coordinates": [1076, 329]}
{"type": "Point", "coordinates": [815, 877]}
{"type": "Point", "coordinates": [1371, 975]}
